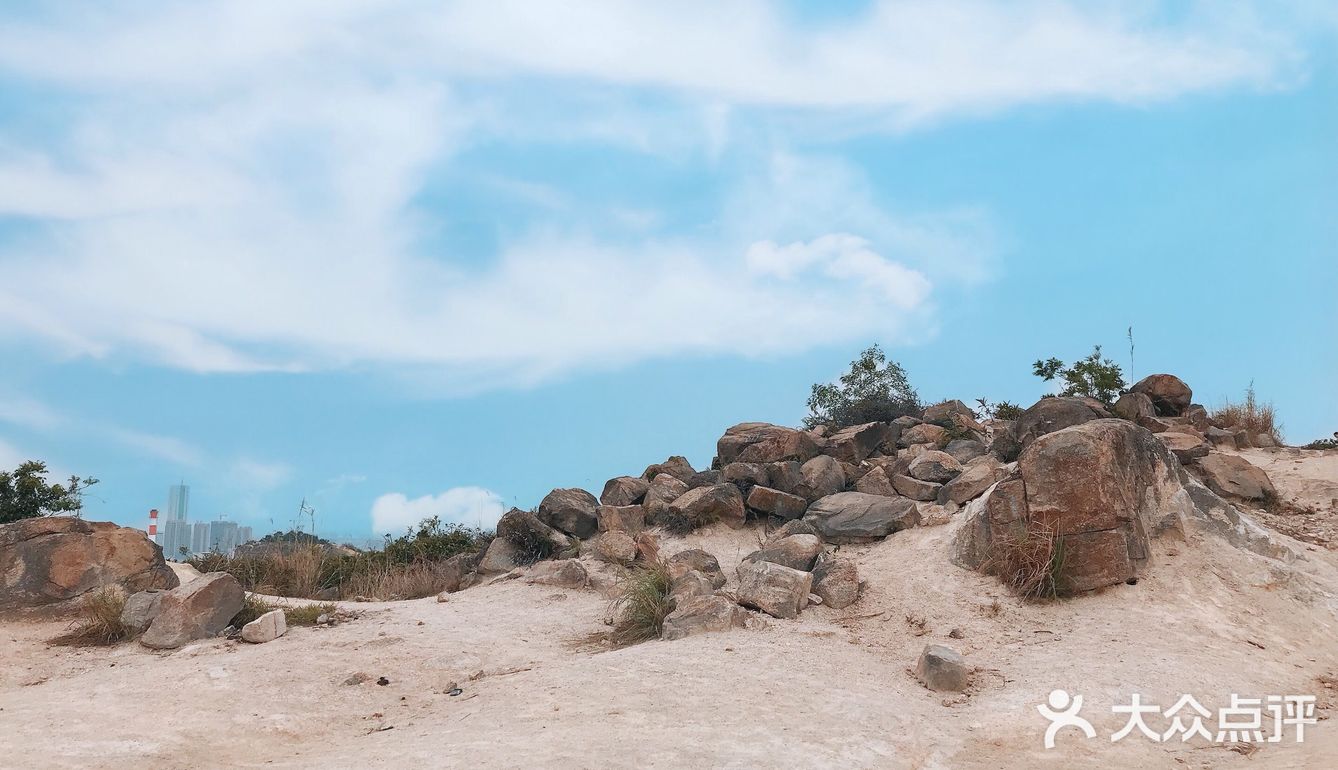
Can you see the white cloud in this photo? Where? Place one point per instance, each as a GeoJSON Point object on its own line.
{"type": "Point", "coordinates": [471, 506]}
{"type": "Point", "coordinates": [843, 257]}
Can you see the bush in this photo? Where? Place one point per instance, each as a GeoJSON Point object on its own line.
{"type": "Point", "coordinates": [25, 493]}
{"type": "Point", "coordinates": [308, 614]}
{"type": "Point", "coordinates": [643, 605]}
{"type": "Point", "coordinates": [1030, 561]}
{"type": "Point", "coordinates": [1004, 410]}
{"type": "Point", "coordinates": [874, 390]}
{"type": "Point", "coordinates": [1324, 443]}
{"type": "Point", "coordinates": [1093, 376]}
{"type": "Point", "coordinates": [99, 623]}
{"type": "Point", "coordinates": [1250, 415]}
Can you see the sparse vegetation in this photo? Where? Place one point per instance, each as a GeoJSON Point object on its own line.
{"type": "Point", "coordinates": [1324, 443]}
{"type": "Point", "coordinates": [308, 614]}
{"type": "Point", "coordinates": [410, 567]}
{"type": "Point", "coordinates": [25, 493]}
{"type": "Point", "coordinates": [1093, 376]}
{"type": "Point", "coordinates": [1030, 561]}
{"type": "Point", "coordinates": [1250, 415]}
{"type": "Point", "coordinates": [643, 605]}
{"type": "Point", "coordinates": [874, 390]}
{"type": "Point", "coordinates": [99, 623]}
{"type": "Point", "coordinates": [252, 607]}
{"type": "Point", "coordinates": [1003, 410]}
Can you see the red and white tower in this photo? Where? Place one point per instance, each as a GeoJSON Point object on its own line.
{"type": "Point", "coordinates": [153, 524]}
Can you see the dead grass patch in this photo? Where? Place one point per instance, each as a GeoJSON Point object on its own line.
{"type": "Point", "coordinates": [99, 623]}
{"type": "Point", "coordinates": [1029, 561]}
{"type": "Point", "coordinates": [1250, 415]}
{"type": "Point", "coordinates": [644, 604]}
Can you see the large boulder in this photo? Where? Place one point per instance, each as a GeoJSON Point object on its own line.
{"type": "Point", "coordinates": [923, 433]}
{"type": "Point", "coordinates": [1170, 395]}
{"type": "Point", "coordinates": [760, 442]}
{"type": "Point", "coordinates": [855, 517]}
{"type": "Point", "coordinates": [52, 560]}
{"type": "Point", "coordinates": [624, 490]}
{"type": "Point", "coordinates": [836, 580]}
{"type": "Point", "coordinates": [1049, 415]}
{"type": "Point", "coordinates": [197, 610]}
{"type": "Point", "coordinates": [795, 552]}
{"type": "Point", "coordinates": [1100, 489]}
{"type": "Point", "coordinates": [704, 505]}
{"type": "Point", "coordinates": [773, 502]}
{"type": "Point", "coordinates": [785, 476]}
{"type": "Point", "coordinates": [876, 482]}
{"type": "Point", "coordinates": [664, 489]}
{"type": "Point", "coordinates": [820, 476]}
{"type": "Point", "coordinates": [615, 548]}
{"type": "Point", "coordinates": [533, 539]}
{"type": "Point", "coordinates": [141, 608]}
{"type": "Point", "coordinates": [572, 511]}
{"type": "Point", "coordinates": [700, 615]}
{"type": "Point", "coordinates": [695, 559]}
{"type": "Point", "coordinates": [933, 465]}
{"type": "Point", "coordinates": [856, 442]}
{"type": "Point", "coordinates": [1185, 446]}
{"type": "Point", "coordinates": [777, 590]}
{"type": "Point", "coordinates": [1135, 407]}
{"type": "Point", "coordinates": [947, 411]}
{"type": "Point", "coordinates": [964, 450]}
{"type": "Point", "coordinates": [745, 476]}
{"type": "Point", "coordinates": [501, 556]}
{"type": "Point", "coordinates": [1233, 476]}
{"type": "Point", "coordinates": [621, 518]}
{"type": "Point", "coordinates": [915, 489]}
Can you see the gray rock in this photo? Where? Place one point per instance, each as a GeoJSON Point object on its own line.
{"type": "Point", "coordinates": [621, 518]}
{"type": "Point", "coordinates": [501, 556]}
{"type": "Point", "coordinates": [942, 669]}
{"type": "Point", "coordinates": [760, 442]}
{"type": "Point", "coordinates": [856, 442]}
{"type": "Point", "coordinates": [795, 552]}
{"type": "Point", "coordinates": [773, 502]}
{"type": "Point", "coordinates": [876, 482]}
{"type": "Point", "coordinates": [1134, 407]}
{"type": "Point", "coordinates": [141, 608]}
{"type": "Point", "coordinates": [744, 475]}
{"type": "Point", "coordinates": [699, 560]}
{"type": "Point", "coordinates": [624, 490]}
{"type": "Point", "coordinates": [964, 450]}
{"type": "Point", "coordinates": [562, 573]}
{"type": "Point", "coordinates": [689, 584]}
{"type": "Point", "coordinates": [571, 511]}
{"type": "Point", "coordinates": [700, 615]}
{"type": "Point", "coordinates": [784, 476]}
{"type": "Point", "coordinates": [777, 590]}
{"type": "Point", "coordinates": [933, 465]}
{"type": "Point", "coordinates": [850, 517]}
{"type": "Point", "coordinates": [1169, 394]}
{"type": "Point", "coordinates": [676, 466]}
{"type": "Point", "coordinates": [915, 489]}
{"type": "Point", "coordinates": [978, 476]}
{"type": "Point", "coordinates": [266, 628]}
{"type": "Point", "coordinates": [836, 580]}
{"type": "Point", "coordinates": [1234, 476]}
{"type": "Point", "coordinates": [197, 610]}
{"type": "Point", "coordinates": [533, 539]}
{"type": "Point", "coordinates": [792, 527]}
{"type": "Point", "coordinates": [822, 476]}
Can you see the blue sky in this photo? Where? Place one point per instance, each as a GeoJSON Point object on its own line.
{"type": "Point", "coordinates": [412, 258]}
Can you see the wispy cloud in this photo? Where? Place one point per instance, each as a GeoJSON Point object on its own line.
{"type": "Point", "coordinates": [471, 506]}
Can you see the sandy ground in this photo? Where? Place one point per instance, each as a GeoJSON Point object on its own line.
{"type": "Point", "coordinates": [831, 689]}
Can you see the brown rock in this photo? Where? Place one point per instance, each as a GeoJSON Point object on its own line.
{"type": "Point", "coordinates": [795, 552]}
{"type": "Point", "coordinates": [777, 590]}
{"type": "Point", "coordinates": [616, 548]}
{"type": "Point", "coordinates": [571, 511]}
{"type": "Point", "coordinates": [1051, 414]}
{"type": "Point", "coordinates": [762, 442]}
{"type": "Point", "coordinates": [792, 527]}
{"type": "Point", "coordinates": [1134, 407]}
{"type": "Point", "coordinates": [699, 560]}
{"type": "Point", "coordinates": [621, 518]}
{"type": "Point", "coordinates": [942, 669]}
{"type": "Point", "coordinates": [1170, 395]}
{"type": "Point", "coordinates": [978, 475]}
{"type": "Point", "coordinates": [876, 482]}
{"type": "Point", "coordinates": [624, 490]}
{"type": "Point", "coordinates": [1184, 446]}
{"type": "Point", "coordinates": [915, 489]}
{"type": "Point", "coordinates": [785, 476]}
{"type": "Point", "coordinates": [852, 517]}
{"type": "Point", "coordinates": [822, 476]}
{"type": "Point", "coordinates": [562, 573]}
{"type": "Point", "coordinates": [705, 505]}
{"type": "Point", "coordinates": [773, 502]}
{"type": "Point", "coordinates": [702, 614]}
{"type": "Point", "coordinates": [948, 410]}
{"type": "Point", "coordinates": [676, 466]}
{"type": "Point", "coordinates": [924, 433]}
{"type": "Point", "coordinates": [836, 580]}
{"type": "Point", "coordinates": [744, 475]}
{"type": "Point", "coordinates": [197, 610]}
{"type": "Point", "coordinates": [938, 467]}
{"type": "Point", "coordinates": [854, 443]}
{"type": "Point", "coordinates": [1233, 476]}
{"type": "Point", "coordinates": [55, 559]}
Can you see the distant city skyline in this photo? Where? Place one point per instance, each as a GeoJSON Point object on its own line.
{"type": "Point", "coordinates": [181, 538]}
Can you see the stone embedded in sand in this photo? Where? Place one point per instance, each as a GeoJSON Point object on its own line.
{"type": "Point", "coordinates": [141, 608]}
{"type": "Point", "coordinates": [571, 511]}
{"type": "Point", "coordinates": [851, 517]}
{"type": "Point", "coordinates": [1233, 476]}
{"type": "Point", "coordinates": [856, 442]}
{"type": "Point", "coordinates": [933, 465]}
{"type": "Point", "coordinates": [942, 669]}
{"type": "Point", "coordinates": [266, 628]}
{"type": "Point", "coordinates": [197, 610]}
{"type": "Point", "coordinates": [54, 559]}
{"type": "Point", "coordinates": [777, 590]}
{"type": "Point", "coordinates": [616, 548]}
{"type": "Point", "coordinates": [1184, 446]}
{"type": "Point", "coordinates": [702, 506]}
{"type": "Point", "coordinates": [836, 580]}
{"type": "Point", "coordinates": [760, 442]}
{"type": "Point", "coordinates": [696, 559]}
{"type": "Point", "coordinates": [774, 502]}
{"type": "Point", "coordinates": [621, 518]}
{"type": "Point", "coordinates": [1169, 394]}
{"type": "Point", "coordinates": [702, 614]}
{"type": "Point", "coordinates": [454, 571]}
{"type": "Point", "coordinates": [563, 573]}
{"type": "Point", "coordinates": [820, 476]}
{"type": "Point", "coordinates": [624, 490]}
{"type": "Point", "coordinates": [795, 551]}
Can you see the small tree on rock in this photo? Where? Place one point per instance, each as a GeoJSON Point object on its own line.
{"type": "Point", "coordinates": [874, 390]}
{"type": "Point", "coordinates": [25, 493]}
{"type": "Point", "coordinates": [1092, 376]}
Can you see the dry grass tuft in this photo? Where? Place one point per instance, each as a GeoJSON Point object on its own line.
{"type": "Point", "coordinates": [643, 605]}
{"type": "Point", "coordinates": [99, 623]}
{"type": "Point", "coordinates": [252, 607]}
{"type": "Point", "coordinates": [1030, 562]}
{"type": "Point", "coordinates": [1251, 416]}
{"type": "Point", "coordinates": [307, 615]}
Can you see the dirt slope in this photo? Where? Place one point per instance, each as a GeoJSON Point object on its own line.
{"type": "Point", "coordinates": [831, 689]}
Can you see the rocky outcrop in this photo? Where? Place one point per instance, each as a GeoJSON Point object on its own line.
{"type": "Point", "coordinates": [1169, 394]}
{"type": "Point", "coordinates": [777, 590]}
{"type": "Point", "coordinates": [570, 511]}
{"type": "Point", "coordinates": [1101, 489]}
{"type": "Point", "coordinates": [1047, 416]}
{"type": "Point", "coordinates": [760, 442]}
{"type": "Point", "coordinates": [49, 561]}
{"type": "Point", "coordinates": [853, 517]}
{"type": "Point", "coordinates": [197, 610]}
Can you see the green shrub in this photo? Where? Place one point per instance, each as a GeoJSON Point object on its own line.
{"type": "Point", "coordinates": [252, 607]}
{"type": "Point", "coordinates": [25, 493]}
{"type": "Point", "coordinates": [1093, 376]}
{"type": "Point", "coordinates": [874, 390]}
{"type": "Point", "coordinates": [308, 614]}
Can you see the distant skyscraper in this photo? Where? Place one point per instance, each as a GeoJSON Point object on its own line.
{"type": "Point", "coordinates": [178, 499]}
{"type": "Point", "coordinates": [223, 536]}
{"type": "Point", "coordinates": [199, 539]}
{"type": "Point", "coordinates": [176, 539]}
{"type": "Point", "coordinates": [245, 535]}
